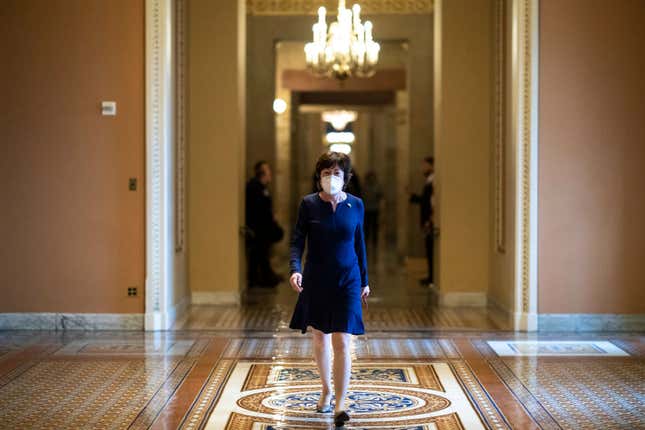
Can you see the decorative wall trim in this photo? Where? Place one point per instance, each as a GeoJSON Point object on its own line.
{"type": "Point", "coordinates": [70, 321]}
{"type": "Point", "coordinates": [159, 154]}
{"type": "Point", "coordinates": [180, 124]}
{"type": "Point", "coordinates": [216, 298]}
{"type": "Point", "coordinates": [499, 123]}
{"type": "Point", "coordinates": [525, 136]}
{"type": "Point", "coordinates": [368, 7]}
{"type": "Point", "coordinates": [591, 322]}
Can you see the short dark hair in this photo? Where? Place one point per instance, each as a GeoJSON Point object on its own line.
{"type": "Point", "coordinates": [330, 159]}
{"type": "Point", "coordinates": [429, 159]}
{"type": "Point", "coordinates": [257, 168]}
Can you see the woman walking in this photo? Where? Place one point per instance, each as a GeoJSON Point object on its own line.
{"type": "Point", "coordinates": [334, 281]}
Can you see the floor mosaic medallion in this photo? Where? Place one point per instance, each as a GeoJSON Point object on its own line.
{"type": "Point", "coordinates": [382, 395]}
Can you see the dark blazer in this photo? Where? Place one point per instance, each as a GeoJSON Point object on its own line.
{"type": "Point", "coordinates": [259, 209]}
{"type": "Point", "coordinates": [425, 200]}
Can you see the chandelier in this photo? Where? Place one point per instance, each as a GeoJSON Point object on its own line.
{"type": "Point", "coordinates": [339, 118]}
{"type": "Point", "coordinates": [347, 49]}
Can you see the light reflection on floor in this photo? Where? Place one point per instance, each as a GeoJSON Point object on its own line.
{"type": "Point", "coordinates": [418, 367]}
{"type": "Point", "coordinates": [264, 380]}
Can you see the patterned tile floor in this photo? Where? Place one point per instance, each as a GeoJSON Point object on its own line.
{"type": "Point", "coordinates": [267, 380]}
{"type": "Point", "coordinates": [419, 367]}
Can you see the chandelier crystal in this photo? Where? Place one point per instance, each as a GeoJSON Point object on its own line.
{"type": "Point", "coordinates": [345, 49]}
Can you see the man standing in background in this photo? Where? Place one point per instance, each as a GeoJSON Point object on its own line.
{"type": "Point", "coordinates": [263, 228]}
{"type": "Point", "coordinates": [372, 196]}
{"type": "Point", "coordinates": [425, 200]}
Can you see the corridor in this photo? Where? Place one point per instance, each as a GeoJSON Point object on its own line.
{"type": "Point", "coordinates": [158, 157]}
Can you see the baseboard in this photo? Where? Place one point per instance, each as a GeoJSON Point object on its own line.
{"type": "Point", "coordinates": [70, 321]}
{"type": "Point", "coordinates": [179, 309]}
{"type": "Point", "coordinates": [502, 315]}
{"type": "Point", "coordinates": [165, 320]}
{"type": "Point", "coordinates": [216, 298]}
{"type": "Point", "coordinates": [591, 322]}
{"type": "Point", "coordinates": [525, 321]}
{"type": "Point", "coordinates": [462, 299]}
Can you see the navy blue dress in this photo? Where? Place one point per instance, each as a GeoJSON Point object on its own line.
{"type": "Point", "coordinates": [336, 265]}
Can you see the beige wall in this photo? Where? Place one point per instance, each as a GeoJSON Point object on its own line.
{"type": "Point", "coordinates": [73, 235]}
{"type": "Point", "coordinates": [502, 272]}
{"type": "Point", "coordinates": [463, 62]}
{"type": "Point", "coordinates": [215, 148]}
{"type": "Point", "coordinates": [592, 153]}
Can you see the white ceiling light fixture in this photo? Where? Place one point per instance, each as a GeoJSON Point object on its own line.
{"type": "Point", "coordinates": [340, 137]}
{"type": "Point", "coordinates": [339, 118]}
{"type": "Point", "coordinates": [347, 49]}
{"type": "Point", "coordinates": [341, 147]}
{"type": "Point", "coordinates": [279, 106]}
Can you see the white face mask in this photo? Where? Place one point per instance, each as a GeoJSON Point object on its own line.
{"type": "Point", "coordinates": [332, 184]}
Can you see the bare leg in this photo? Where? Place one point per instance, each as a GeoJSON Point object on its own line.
{"type": "Point", "coordinates": [322, 355]}
{"type": "Point", "coordinates": [342, 367]}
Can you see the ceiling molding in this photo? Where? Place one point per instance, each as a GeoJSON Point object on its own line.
{"type": "Point", "coordinates": [310, 7]}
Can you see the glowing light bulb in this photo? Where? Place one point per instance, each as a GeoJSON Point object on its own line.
{"type": "Point", "coordinates": [279, 106]}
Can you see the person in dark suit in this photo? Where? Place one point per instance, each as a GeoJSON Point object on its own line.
{"type": "Point", "coordinates": [263, 230]}
{"type": "Point", "coordinates": [372, 197]}
{"type": "Point", "coordinates": [425, 200]}
{"type": "Point", "coordinates": [354, 186]}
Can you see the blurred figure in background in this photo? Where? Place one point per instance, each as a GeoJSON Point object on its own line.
{"type": "Point", "coordinates": [426, 201]}
{"type": "Point", "coordinates": [354, 185]}
{"type": "Point", "coordinates": [262, 228]}
{"type": "Point", "coordinates": [372, 196]}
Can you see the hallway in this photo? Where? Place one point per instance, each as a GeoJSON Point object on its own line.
{"type": "Point", "coordinates": [150, 146]}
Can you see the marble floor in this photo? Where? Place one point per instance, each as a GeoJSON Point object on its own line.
{"type": "Point", "coordinates": [418, 367]}
{"type": "Point", "coordinates": [267, 380]}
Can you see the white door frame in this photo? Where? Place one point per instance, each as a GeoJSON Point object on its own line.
{"type": "Point", "coordinates": [159, 164]}
{"type": "Point", "coordinates": [160, 159]}
{"type": "Point", "coordinates": [524, 124]}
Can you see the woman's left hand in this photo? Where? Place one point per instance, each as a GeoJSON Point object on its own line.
{"type": "Point", "coordinates": [365, 293]}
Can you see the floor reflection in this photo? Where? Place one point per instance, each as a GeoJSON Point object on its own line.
{"type": "Point", "coordinates": [267, 379]}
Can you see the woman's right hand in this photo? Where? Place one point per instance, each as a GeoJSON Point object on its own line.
{"type": "Point", "coordinates": [296, 282]}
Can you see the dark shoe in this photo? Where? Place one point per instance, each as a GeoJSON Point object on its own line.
{"type": "Point", "coordinates": [340, 419]}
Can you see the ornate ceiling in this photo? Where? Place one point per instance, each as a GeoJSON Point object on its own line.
{"type": "Point", "coordinates": [310, 7]}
